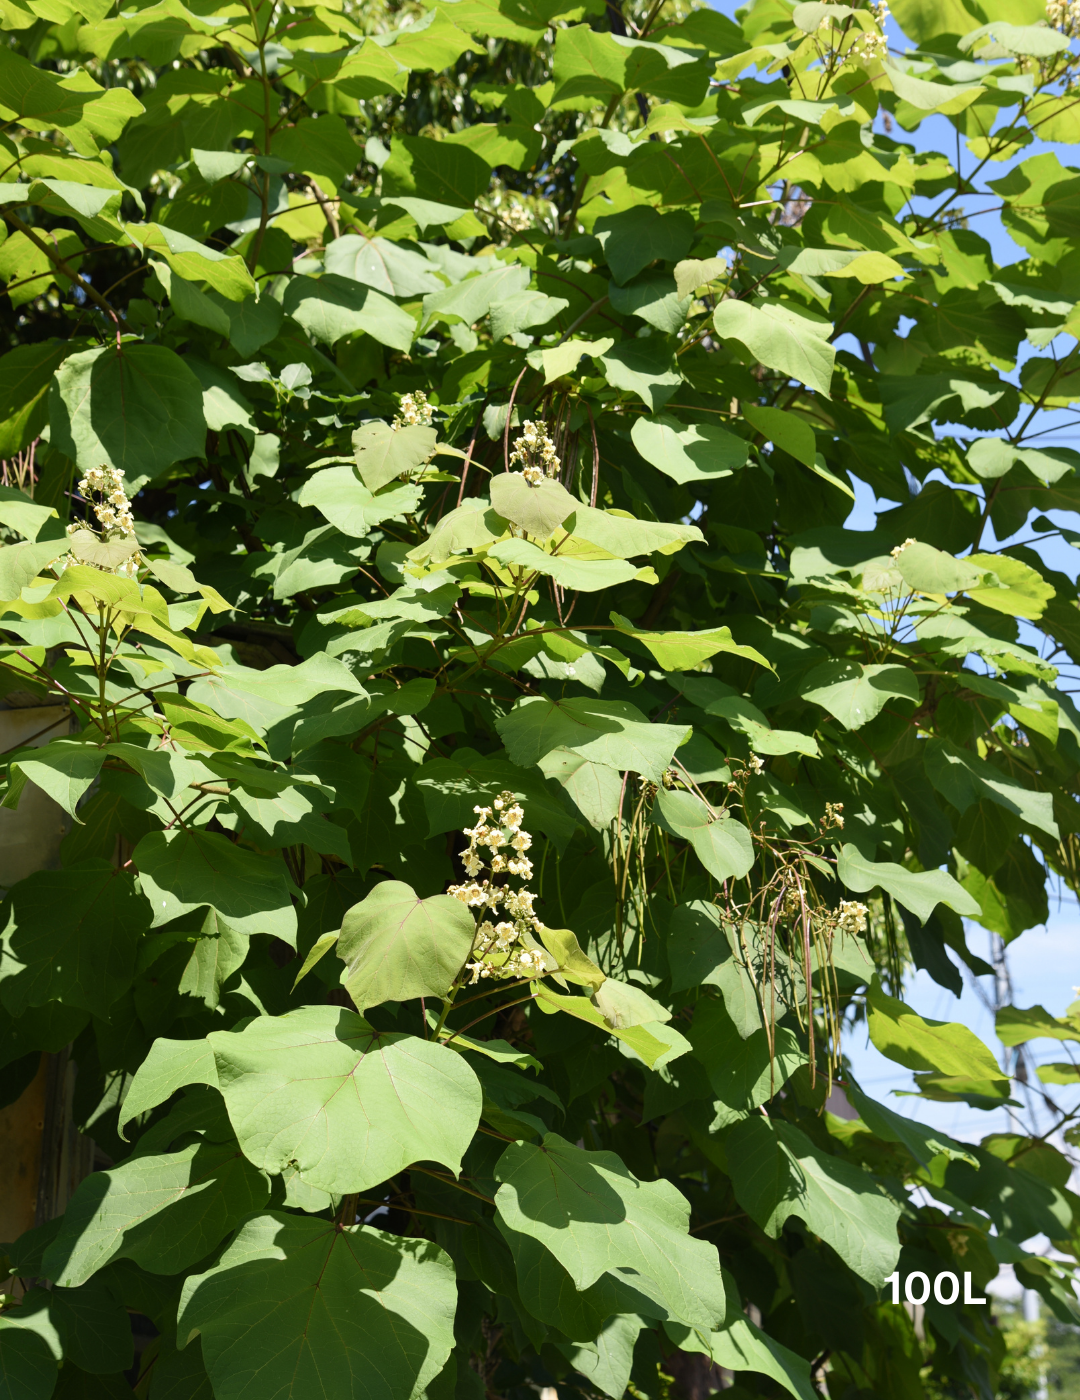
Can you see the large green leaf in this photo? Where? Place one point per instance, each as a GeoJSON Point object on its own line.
{"type": "Point", "coordinates": [949, 1058]}
{"type": "Point", "coordinates": [856, 693]}
{"type": "Point", "coordinates": [396, 946]}
{"type": "Point", "coordinates": [963, 778]}
{"type": "Point", "coordinates": [919, 891]}
{"type": "Point", "coordinates": [574, 575]}
{"type": "Point", "coordinates": [25, 374]}
{"type": "Point", "coordinates": [382, 264]}
{"type": "Point", "coordinates": [537, 509]}
{"type": "Point", "coordinates": [722, 845]}
{"type": "Point", "coordinates": [445, 174]}
{"type": "Point", "coordinates": [64, 770]}
{"type": "Point", "coordinates": [330, 307]}
{"type": "Point", "coordinates": [781, 337]}
{"type": "Point", "coordinates": [695, 452]}
{"type": "Point", "coordinates": [596, 1217]}
{"type": "Point", "coordinates": [346, 1105]}
{"type": "Point", "coordinates": [383, 453]}
{"type": "Point", "coordinates": [72, 936]}
{"type": "Point", "coordinates": [777, 1172]}
{"type": "Point", "coordinates": [611, 732]}
{"type": "Point", "coordinates": [298, 1307]}
{"type": "Point", "coordinates": [180, 871]}
{"type": "Point", "coordinates": [679, 651]}
{"type": "Point", "coordinates": [138, 408]}
{"type": "Point", "coordinates": [166, 1212]}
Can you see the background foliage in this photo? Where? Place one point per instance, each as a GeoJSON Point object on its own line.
{"type": "Point", "coordinates": [304, 274]}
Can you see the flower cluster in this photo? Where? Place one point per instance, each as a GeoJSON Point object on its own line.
{"type": "Point", "coordinates": [1065, 16]}
{"type": "Point", "coordinates": [871, 44]}
{"type": "Point", "coordinates": [103, 487]}
{"type": "Point", "coordinates": [414, 411]}
{"type": "Point", "coordinates": [503, 948]}
{"type": "Point", "coordinates": [833, 818]}
{"type": "Point", "coordinates": [851, 916]}
{"type": "Point", "coordinates": [896, 553]}
{"type": "Point", "coordinates": [535, 452]}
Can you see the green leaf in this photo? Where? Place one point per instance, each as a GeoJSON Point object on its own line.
{"type": "Point", "coordinates": [931, 570]}
{"type": "Point", "coordinates": [572, 963]}
{"type": "Point", "coordinates": [777, 1172]}
{"type": "Point", "coordinates": [472, 297]}
{"type": "Point", "coordinates": [948, 1056]}
{"type": "Point", "coordinates": [623, 536]}
{"type": "Point", "coordinates": [384, 265]}
{"type": "Point", "coordinates": [921, 892]}
{"type": "Point", "coordinates": [224, 272]}
{"type": "Point", "coordinates": [64, 769]}
{"type": "Point", "coordinates": [384, 454]}
{"type": "Point", "coordinates": [743, 1347]}
{"type": "Point", "coordinates": [19, 513]}
{"type": "Point", "coordinates": [681, 651]}
{"type": "Point", "coordinates": [723, 846]}
{"type": "Point", "coordinates": [71, 935]}
{"type": "Point", "coordinates": [654, 1043]}
{"type": "Point", "coordinates": [27, 1362]}
{"type": "Point", "coordinates": [20, 564]}
{"type": "Point", "coordinates": [442, 173]}
{"type": "Point", "coordinates": [180, 871]}
{"type": "Point", "coordinates": [348, 504]}
{"type": "Point", "coordinates": [781, 338]}
{"type": "Point", "coordinates": [855, 693]}
{"type": "Point", "coordinates": [693, 273]}
{"type": "Point", "coordinates": [539, 509]}
{"type": "Point", "coordinates": [1016, 1026]}
{"type": "Point", "coordinates": [695, 452]}
{"type": "Point", "coordinates": [744, 1072]}
{"type": "Point", "coordinates": [347, 1105]}
{"type": "Point", "coordinates": [524, 311]}
{"type": "Point", "coordinates": [646, 368]}
{"type": "Point", "coordinates": [964, 779]}
{"type": "Point", "coordinates": [138, 409]}
{"type": "Point", "coordinates": [318, 146]}
{"type": "Point", "coordinates": [298, 1306]}
{"type": "Point", "coordinates": [611, 732]}
{"type": "Point", "coordinates": [165, 1212]}
{"type": "Point", "coordinates": [785, 430]}
{"type": "Point", "coordinates": [562, 359]}
{"type": "Point", "coordinates": [596, 1217]}
{"type": "Point", "coordinates": [575, 575]}
{"type": "Point", "coordinates": [924, 1144]}
{"type": "Point", "coordinates": [396, 946]}
{"type": "Point", "coordinates": [1020, 590]}
{"type": "Point", "coordinates": [170, 1065]}
{"type": "Point", "coordinates": [25, 374]}
{"type": "Point", "coordinates": [633, 239]}
{"type": "Point", "coordinates": [330, 307]}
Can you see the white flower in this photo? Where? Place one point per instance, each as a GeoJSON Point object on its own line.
{"type": "Point", "coordinates": [896, 553]}
{"type": "Point", "coordinates": [415, 411]}
{"type": "Point", "coordinates": [852, 916]}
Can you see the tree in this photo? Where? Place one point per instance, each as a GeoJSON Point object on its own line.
{"type": "Point", "coordinates": [497, 777]}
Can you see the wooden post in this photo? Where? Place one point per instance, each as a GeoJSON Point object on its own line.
{"type": "Point", "coordinates": [42, 1157]}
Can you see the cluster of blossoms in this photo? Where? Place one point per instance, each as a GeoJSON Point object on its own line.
{"type": "Point", "coordinates": [507, 948]}
{"type": "Point", "coordinates": [1065, 16]}
{"type": "Point", "coordinates": [535, 452]}
{"type": "Point", "coordinates": [851, 916]}
{"type": "Point", "coordinates": [872, 44]}
{"type": "Point", "coordinates": [103, 487]}
{"type": "Point", "coordinates": [896, 553]}
{"type": "Point", "coordinates": [833, 818]}
{"type": "Point", "coordinates": [414, 411]}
